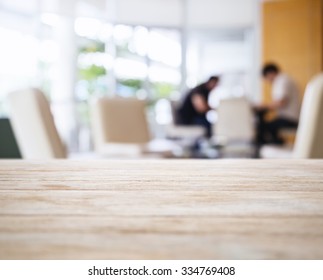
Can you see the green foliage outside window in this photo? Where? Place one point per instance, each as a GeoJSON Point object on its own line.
{"type": "Point", "coordinates": [163, 90]}
{"type": "Point", "coordinates": [91, 78]}
{"type": "Point", "coordinates": [92, 72]}
{"type": "Point", "coordinates": [132, 83]}
{"type": "Point", "coordinates": [92, 47]}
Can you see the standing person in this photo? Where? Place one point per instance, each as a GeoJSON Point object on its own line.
{"type": "Point", "coordinates": [195, 105]}
{"type": "Point", "coordinates": [285, 104]}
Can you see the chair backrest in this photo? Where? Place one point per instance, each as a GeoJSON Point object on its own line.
{"type": "Point", "coordinates": [8, 143]}
{"type": "Point", "coordinates": [309, 137]}
{"type": "Point", "coordinates": [235, 120]}
{"type": "Point", "coordinates": [119, 120]}
{"type": "Point", "coordinates": [34, 126]}
{"type": "Point", "coordinates": [174, 111]}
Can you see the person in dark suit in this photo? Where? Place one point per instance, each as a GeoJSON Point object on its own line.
{"type": "Point", "coordinates": [195, 105]}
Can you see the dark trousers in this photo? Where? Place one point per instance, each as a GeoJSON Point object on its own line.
{"type": "Point", "coordinates": [184, 119]}
{"type": "Point", "coordinates": [202, 121]}
{"type": "Point", "coordinates": [268, 132]}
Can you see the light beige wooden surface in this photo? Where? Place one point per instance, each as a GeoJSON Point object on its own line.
{"type": "Point", "coordinates": [177, 209]}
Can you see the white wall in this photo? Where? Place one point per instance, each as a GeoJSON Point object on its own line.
{"type": "Point", "coordinates": [215, 57]}
{"type": "Point", "coordinates": [201, 13]}
{"type": "Point", "coordinates": [150, 12]}
{"type": "Point", "coordinates": [221, 13]}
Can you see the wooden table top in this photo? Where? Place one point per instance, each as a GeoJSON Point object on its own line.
{"type": "Point", "coordinates": [166, 209]}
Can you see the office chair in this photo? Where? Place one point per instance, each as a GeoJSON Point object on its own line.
{"type": "Point", "coordinates": [120, 129]}
{"type": "Point", "coordinates": [8, 144]}
{"type": "Point", "coordinates": [234, 128]}
{"type": "Point", "coordinates": [178, 131]}
{"type": "Point", "coordinates": [309, 136]}
{"type": "Point", "coordinates": [34, 126]}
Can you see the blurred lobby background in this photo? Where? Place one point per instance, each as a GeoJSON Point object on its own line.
{"type": "Point", "coordinates": [152, 50]}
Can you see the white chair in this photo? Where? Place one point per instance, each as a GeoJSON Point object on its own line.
{"type": "Point", "coordinates": [234, 128]}
{"type": "Point", "coordinates": [309, 136]}
{"type": "Point", "coordinates": [235, 121]}
{"type": "Point", "coordinates": [120, 129]}
{"type": "Point", "coordinates": [34, 126]}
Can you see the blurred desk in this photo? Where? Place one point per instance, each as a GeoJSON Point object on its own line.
{"type": "Point", "coordinates": [166, 209]}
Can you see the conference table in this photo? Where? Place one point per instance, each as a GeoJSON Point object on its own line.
{"type": "Point", "coordinates": [161, 209]}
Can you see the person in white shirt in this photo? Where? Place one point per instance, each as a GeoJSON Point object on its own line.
{"type": "Point", "coordinates": [286, 104]}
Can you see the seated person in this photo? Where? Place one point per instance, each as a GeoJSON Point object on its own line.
{"type": "Point", "coordinates": [195, 105]}
{"type": "Point", "coordinates": [285, 104]}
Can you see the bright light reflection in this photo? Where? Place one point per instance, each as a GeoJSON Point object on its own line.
{"type": "Point", "coordinates": [19, 60]}
{"type": "Point", "coordinates": [99, 59]}
{"type": "Point", "coordinates": [162, 74]}
{"type": "Point", "coordinates": [122, 33]}
{"type": "Point", "coordinates": [106, 32]}
{"type": "Point", "coordinates": [48, 51]}
{"type": "Point", "coordinates": [130, 69]}
{"type": "Point", "coordinates": [140, 40]}
{"type": "Point", "coordinates": [88, 27]}
{"type": "Point", "coordinates": [50, 19]}
{"type": "Point", "coordinates": [164, 49]}
{"type": "Point", "coordinates": [163, 112]}
{"type": "Point", "coordinates": [18, 53]}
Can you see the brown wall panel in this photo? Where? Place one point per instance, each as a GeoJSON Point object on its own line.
{"type": "Point", "coordinates": [293, 37]}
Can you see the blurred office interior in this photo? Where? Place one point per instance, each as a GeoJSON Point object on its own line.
{"type": "Point", "coordinates": [79, 51]}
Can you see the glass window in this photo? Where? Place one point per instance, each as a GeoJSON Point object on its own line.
{"type": "Point", "coordinates": [131, 61]}
{"type": "Point", "coordinates": [19, 62]}
{"type": "Point", "coordinates": [164, 46]}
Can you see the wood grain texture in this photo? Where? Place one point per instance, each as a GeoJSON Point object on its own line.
{"type": "Point", "coordinates": [166, 209]}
